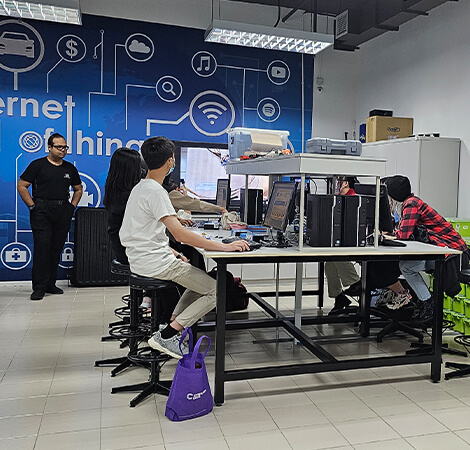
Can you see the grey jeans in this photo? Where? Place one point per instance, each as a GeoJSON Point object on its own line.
{"type": "Point", "coordinates": [411, 271]}
{"type": "Point", "coordinates": [200, 295]}
{"type": "Point", "coordinates": [339, 274]}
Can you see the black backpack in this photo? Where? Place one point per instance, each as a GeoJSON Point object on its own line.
{"type": "Point", "coordinates": [237, 295]}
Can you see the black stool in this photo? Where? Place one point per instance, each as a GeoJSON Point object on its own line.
{"type": "Point", "coordinates": [131, 333]}
{"type": "Point", "coordinates": [148, 355]}
{"type": "Point", "coordinates": [398, 321]}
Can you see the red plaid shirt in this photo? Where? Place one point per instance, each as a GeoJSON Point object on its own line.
{"type": "Point", "coordinates": [441, 233]}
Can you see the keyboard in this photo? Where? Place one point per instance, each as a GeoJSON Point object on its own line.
{"type": "Point", "coordinates": [387, 242]}
{"type": "Point", "coordinates": [253, 245]}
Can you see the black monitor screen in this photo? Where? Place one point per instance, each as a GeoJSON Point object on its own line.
{"type": "Point", "coordinates": [222, 198]}
{"type": "Point", "coordinates": [385, 214]}
{"type": "Point", "coordinates": [281, 201]}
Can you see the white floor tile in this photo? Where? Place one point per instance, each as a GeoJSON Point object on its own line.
{"type": "Point", "coordinates": [75, 440]}
{"type": "Point", "coordinates": [51, 396]}
{"type": "Point", "coordinates": [131, 436]}
{"type": "Point", "coordinates": [272, 440]}
{"type": "Point", "coordinates": [438, 442]}
{"type": "Point", "coordinates": [366, 430]}
{"type": "Point", "coordinates": [395, 444]}
{"type": "Point", "coordinates": [314, 437]}
{"type": "Point", "coordinates": [417, 424]}
{"type": "Point", "coordinates": [454, 419]}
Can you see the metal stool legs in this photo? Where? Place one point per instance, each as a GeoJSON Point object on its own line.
{"type": "Point", "coordinates": [154, 359]}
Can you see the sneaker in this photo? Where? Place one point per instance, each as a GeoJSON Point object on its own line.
{"type": "Point", "coordinates": [423, 312]}
{"type": "Point", "coordinates": [397, 300]}
{"type": "Point", "coordinates": [37, 295]}
{"type": "Point", "coordinates": [146, 303]}
{"type": "Point", "coordinates": [54, 290]}
{"type": "Point", "coordinates": [384, 297]}
{"type": "Point", "coordinates": [341, 302]}
{"type": "Point", "coordinates": [169, 346]}
{"type": "Point", "coordinates": [354, 290]}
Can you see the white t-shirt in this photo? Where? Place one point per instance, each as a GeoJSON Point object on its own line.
{"type": "Point", "coordinates": [143, 233]}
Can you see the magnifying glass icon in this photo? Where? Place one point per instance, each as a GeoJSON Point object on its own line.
{"type": "Point", "coordinates": [167, 86]}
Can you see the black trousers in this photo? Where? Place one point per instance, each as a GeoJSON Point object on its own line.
{"type": "Point", "coordinates": [50, 222]}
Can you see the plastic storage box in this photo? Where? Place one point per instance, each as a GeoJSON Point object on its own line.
{"type": "Point", "coordinates": [458, 319]}
{"type": "Point", "coordinates": [241, 140]}
{"type": "Point", "coordinates": [462, 226]}
{"type": "Point", "coordinates": [333, 147]}
{"type": "Point", "coordinates": [458, 304]}
{"type": "Point", "coordinates": [466, 326]}
{"type": "Point", "coordinates": [447, 302]}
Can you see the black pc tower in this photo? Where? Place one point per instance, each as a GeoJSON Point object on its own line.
{"type": "Point", "coordinates": [255, 206]}
{"type": "Point", "coordinates": [353, 230]}
{"type": "Point", "coordinates": [324, 220]}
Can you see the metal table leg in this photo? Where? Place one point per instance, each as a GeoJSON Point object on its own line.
{"type": "Point", "coordinates": [220, 334]}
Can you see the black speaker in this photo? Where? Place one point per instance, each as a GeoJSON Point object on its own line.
{"type": "Point", "coordinates": [255, 206]}
{"type": "Point", "coordinates": [93, 253]}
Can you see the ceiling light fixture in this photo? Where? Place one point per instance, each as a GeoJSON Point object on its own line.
{"type": "Point", "coordinates": [260, 36]}
{"type": "Point", "coordinates": [66, 11]}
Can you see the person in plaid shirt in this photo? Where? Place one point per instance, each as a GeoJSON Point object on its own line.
{"type": "Point", "coordinates": [412, 211]}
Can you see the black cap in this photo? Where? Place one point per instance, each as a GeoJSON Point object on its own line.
{"type": "Point", "coordinates": [399, 187]}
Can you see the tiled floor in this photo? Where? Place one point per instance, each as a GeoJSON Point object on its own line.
{"type": "Point", "coordinates": [52, 396]}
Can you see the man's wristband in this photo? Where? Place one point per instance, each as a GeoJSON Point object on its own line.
{"type": "Point", "coordinates": [31, 207]}
{"type": "Point", "coordinates": [179, 256]}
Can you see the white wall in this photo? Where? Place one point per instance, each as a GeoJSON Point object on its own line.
{"type": "Point", "coordinates": [420, 71]}
{"type": "Point", "coordinates": [423, 71]}
{"type": "Point", "coordinates": [335, 106]}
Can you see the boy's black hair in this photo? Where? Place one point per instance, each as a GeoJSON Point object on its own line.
{"type": "Point", "coordinates": [156, 151]}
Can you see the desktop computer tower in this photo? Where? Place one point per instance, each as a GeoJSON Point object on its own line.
{"type": "Point", "coordinates": [255, 206]}
{"type": "Point", "coordinates": [324, 220]}
{"type": "Point", "coordinates": [353, 230]}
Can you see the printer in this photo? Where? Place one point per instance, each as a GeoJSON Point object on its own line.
{"type": "Point", "coordinates": [253, 141]}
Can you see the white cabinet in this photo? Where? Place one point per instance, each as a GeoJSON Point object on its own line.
{"type": "Point", "coordinates": [431, 164]}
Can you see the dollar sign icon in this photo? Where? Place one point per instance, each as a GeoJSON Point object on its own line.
{"type": "Point", "coordinates": [72, 51]}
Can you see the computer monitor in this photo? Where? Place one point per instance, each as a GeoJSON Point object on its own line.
{"type": "Point", "coordinates": [281, 202]}
{"type": "Point", "coordinates": [222, 198]}
{"type": "Point", "coordinates": [385, 214]}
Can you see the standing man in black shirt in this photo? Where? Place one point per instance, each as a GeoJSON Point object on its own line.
{"type": "Point", "coordinates": [50, 211]}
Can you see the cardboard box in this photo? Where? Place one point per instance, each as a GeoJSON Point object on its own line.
{"type": "Point", "coordinates": [380, 128]}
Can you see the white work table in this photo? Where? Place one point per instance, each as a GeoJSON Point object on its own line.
{"type": "Point", "coordinates": [324, 360]}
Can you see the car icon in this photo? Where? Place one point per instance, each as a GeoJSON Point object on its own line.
{"type": "Point", "coordinates": [13, 43]}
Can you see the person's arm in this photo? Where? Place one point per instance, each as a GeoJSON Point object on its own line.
{"type": "Point", "coordinates": [180, 201]}
{"type": "Point", "coordinates": [188, 237]}
{"type": "Point", "coordinates": [408, 222]}
{"type": "Point", "coordinates": [24, 192]}
{"type": "Point", "coordinates": [77, 194]}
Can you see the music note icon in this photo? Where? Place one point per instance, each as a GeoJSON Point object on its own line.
{"type": "Point", "coordinates": [204, 59]}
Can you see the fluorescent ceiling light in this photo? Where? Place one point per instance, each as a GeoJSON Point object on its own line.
{"type": "Point", "coordinates": [259, 36]}
{"type": "Point", "coordinates": [67, 11]}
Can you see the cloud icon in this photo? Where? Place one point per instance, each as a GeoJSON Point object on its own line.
{"type": "Point", "coordinates": [138, 47]}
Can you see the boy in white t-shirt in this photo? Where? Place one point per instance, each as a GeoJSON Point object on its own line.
{"type": "Point", "coordinates": [143, 233]}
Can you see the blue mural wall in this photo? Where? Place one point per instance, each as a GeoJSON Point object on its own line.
{"type": "Point", "coordinates": [115, 82]}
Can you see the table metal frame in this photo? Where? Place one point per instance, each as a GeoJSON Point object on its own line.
{"type": "Point", "coordinates": [328, 362]}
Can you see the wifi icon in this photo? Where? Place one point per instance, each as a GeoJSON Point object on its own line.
{"type": "Point", "coordinates": [212, 110]}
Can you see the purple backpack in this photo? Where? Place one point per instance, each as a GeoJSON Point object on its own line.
{"type": "Point", "coordinates": [190, 394]}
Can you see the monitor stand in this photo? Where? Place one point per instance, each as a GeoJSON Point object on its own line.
{"type": "Point", "coordinates": [279, 241]}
